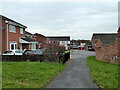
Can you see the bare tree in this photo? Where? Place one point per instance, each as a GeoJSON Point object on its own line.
{"type": "Point", "coordinates": [52, 52]}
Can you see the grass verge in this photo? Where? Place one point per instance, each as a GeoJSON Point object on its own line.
{"type": "Point", "coordinates": [29, 74]}
{"type": "Point", "coordinates": [105, 75]}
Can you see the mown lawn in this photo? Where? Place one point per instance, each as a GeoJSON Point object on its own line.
{"type": "Point", "coordinates": [105, 75]}
{"type": "Point", "coordinates": [29, 74]}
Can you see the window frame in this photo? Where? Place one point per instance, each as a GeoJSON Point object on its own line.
{"type": "Point", "coordinates": [11, 28]}
{"type": "Point", "coordinates": [21, 32]}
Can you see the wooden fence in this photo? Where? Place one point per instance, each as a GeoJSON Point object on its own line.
{"type": "Point", "coordinates": [23, 58]}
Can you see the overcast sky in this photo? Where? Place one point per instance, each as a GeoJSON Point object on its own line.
{"type": "Point", "coordinates": [76, 19]}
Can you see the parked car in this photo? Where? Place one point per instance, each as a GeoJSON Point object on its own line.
{"type": "Point", "coordinates": [29, 52]}
{"type": "Point", "coordinates": [19, 52]}
{"type": "Point", "coordinates": [33, 52]}
{"type": "Point", "coordinates": [39, 52]}
{"type": "Point", "coordinates": [13, 52]}
{"type": "Point", "coordinates": [8, 53]}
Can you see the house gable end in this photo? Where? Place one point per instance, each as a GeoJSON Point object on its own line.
{"type": "Point", "coordinates": [99, 43]}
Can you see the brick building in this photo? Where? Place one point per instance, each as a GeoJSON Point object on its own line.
{"type": "Point", "coordinates": [74, 44]}
{"type": "Point", "coordinates": [11, 32]}
{"type": "Point", "coordinates": [60, 40]}
{"type": "Point", "coordinates": [13, 35]}
{"type": "Point", "coordinates": [82, 44]}
{"type": "Point", "coordinates": [107, 46]}
{"type": "Point", "coordinates": [41, 39]}
{"type": "Point", "coordinates": [79, 44]}
{"type": "Point", "coordinates": [0, 34]}
{"type": "Point", "coordinates": [109, 36]}
{"type": "Point", "coordinates": [28, 42]}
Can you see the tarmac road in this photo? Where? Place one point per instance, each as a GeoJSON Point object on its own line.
{"type": "Point", "coordinates": [76, 75]}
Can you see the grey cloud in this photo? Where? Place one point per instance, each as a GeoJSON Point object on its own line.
{"type": "Point", "coordinates": [69, 18]}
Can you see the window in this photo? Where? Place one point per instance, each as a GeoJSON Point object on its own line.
{"type": "Point", "coordinates": [21, 30]}
{"type": "Point", "coordinates": [12, 28]}
{"type": "Point", "coordinates": [33, 46]}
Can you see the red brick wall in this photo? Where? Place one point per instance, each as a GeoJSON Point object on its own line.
{"type": "Point", "coordinates": [93, 42]}
{"type": "Point", "coordinates": [75, 42]}
{"type": "Point", "coordinates": [11, 36]}
{"type": "Point", "coordinates": [119, 47]}
{"type": "Point", "coordinates": [41, 39]}
{"type": "Point", "coordinates": [4, 37]}
{"type": "Point", "coordinates": [119, 44]}
{"type": "Point", "coordinates": [107, 53]}
{"type": "Point", "coordinates": [99, 43]}
{"type": "Point", "coordinates": [15, 36]}
{"type": "Point", "coordinates": [86, 47]}
{"type": "Point", "coordinates": [25, 46]}
{"type": "Point", "coordinates": [0, 35]}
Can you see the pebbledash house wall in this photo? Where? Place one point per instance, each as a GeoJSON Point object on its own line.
{"type": "Point", "coordinates": [109, 53]}
{"type": "Point", "coordinates": [11, 36]}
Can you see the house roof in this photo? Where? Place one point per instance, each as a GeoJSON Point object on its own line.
{"type": "Point", "coordinates": [106, 38]}
{"type": "Point", "coordinates": [28, 33]}
{"type": "Point", "coordinates": [12, 21]}
{"type": "Point", "coordinates": [39, 34]}
{"type": "Point", "coordinates": [59, 38]}
{"type": "Point", "coordinates": [28, 39]}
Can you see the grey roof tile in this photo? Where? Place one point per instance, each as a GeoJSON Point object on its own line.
{"type": "Point", "coordinates": [106, 38]}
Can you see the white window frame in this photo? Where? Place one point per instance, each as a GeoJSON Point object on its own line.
{"type": "Point", "coordinates": [12, 28]}
{"type": "Point", "coordinates": [21, 30]}
{"type": "Point", "coordinates": [33, 46]}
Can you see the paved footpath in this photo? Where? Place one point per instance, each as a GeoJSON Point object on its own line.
{"type": "Point", "coordinates": [77, 73]}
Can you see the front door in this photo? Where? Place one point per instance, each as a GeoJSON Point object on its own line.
{"type": "Point", "coordinates": [13, 45]}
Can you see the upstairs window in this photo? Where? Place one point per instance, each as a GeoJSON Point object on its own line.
{"type": "Point", "coordinates": [12, 28]}
{"type": "Point", "coordinates": [21, 30]}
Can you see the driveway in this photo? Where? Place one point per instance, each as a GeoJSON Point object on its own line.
{"type": "Point", "coordinates": [77, 73]}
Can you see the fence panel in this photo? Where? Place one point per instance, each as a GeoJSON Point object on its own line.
{"type": "Point", "coordinates": [41, 58]}
{"type": "Point", "coordinates": [23, 58]}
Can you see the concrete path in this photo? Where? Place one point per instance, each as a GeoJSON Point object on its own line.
{"type": "Point", "coordinates": [77, 73]}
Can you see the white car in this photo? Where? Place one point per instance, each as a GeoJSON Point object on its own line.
{"type": "Point", "coordinates": [18, 52]}
{"type": "Point", "coordinates": [15, 52]}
